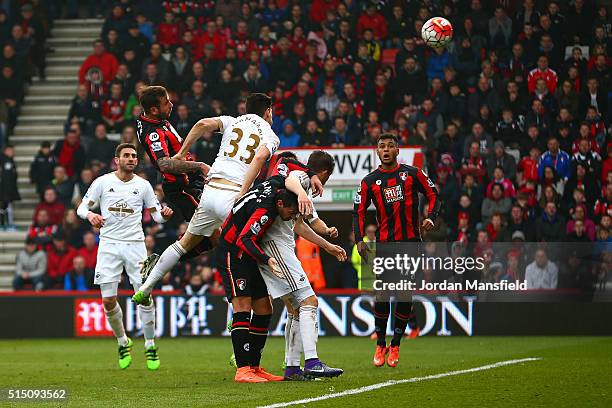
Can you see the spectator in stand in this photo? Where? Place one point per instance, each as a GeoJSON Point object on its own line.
{"type": "Point", "coordinates": [103, 61]}
{"type": "Point", "coordinates": [84, 110]}
{"type": "Point", "coordinates": [541, 273]}
{"type": "Point", "coordinates": [164, 69]}
{"type": "Point", "coordinates": [52, 206]}
{"type": "Point", "coordinates": [484, 95]}
{"type": "Point", "coordinates": [42, 231]}
{"type": "Point", "coordinates": [11, 94]}
{"type": "Point", "coordinates": [329, 101]}
{"type": "Point", "coordinates": [59, 261]}
{"type": "Point", "coordinates": [289, 137]}
{"type": "Point", "coordinates": [30, 266]}
{"type": "Point", "coordinates": [41, 169]}
{"type": "Point", "coordinates": [73, 228]}
{"type": "Point", "coordinates": [69, 153]}
{"type": "Point", "coordinates": [207, 148]}
{"type": "Point", "coordinates": [544, 72]}
{"type": "Point", "coordinates": [579, 215]}
{"type": "Point", "coordinates": [101, 150]}
{"type": "Point", "coordinates": [503, 160]}
{"type": "Point", "coordinates": [374, 21]}
{"type": "Point", "coordinates": [79, 277]}
{"type": "Point", "coordinates": [556, 158]}
{"type": "Point", "coordinates": [314, 135]}
{"type": "Point", "coordinates": [550, 227]}
{"type": "Point", "coordinates": [168, 32]}
{"type": "Point", "coordinates": [116, 21]}
{"type": "Point", "coordinates": [495, 203]}
{"type": "Point", "coordinates": [9, 191]}
{"type": "Point", "coordinates": [63, 185]}
{"type": "Point", "coordinates": [89, 250]}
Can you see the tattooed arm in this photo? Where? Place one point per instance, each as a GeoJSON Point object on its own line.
{"type": "Point", "coordinates": [176, 166]}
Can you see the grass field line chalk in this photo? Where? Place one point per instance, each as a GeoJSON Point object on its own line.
{"type": "Point", "coordinates": [389, 383]}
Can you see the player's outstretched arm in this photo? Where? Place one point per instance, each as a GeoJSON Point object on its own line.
{"type": "Point", "coordinates": [201, 127]}
{"type": "Point", "coordinates": [304, 231]}
{"type": "Point", "coordinates": [263, 154]}
{"type": "Point", "coordinates": [305, 204]}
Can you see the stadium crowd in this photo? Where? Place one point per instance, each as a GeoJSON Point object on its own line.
{"type": "Point", "coordinates": [512, 116]}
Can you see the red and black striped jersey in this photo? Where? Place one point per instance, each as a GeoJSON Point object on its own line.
{"type": "Point", "coordinates": [250, 218]}
{"type": "Point", "coordinates": [159, 139]}
{"type": "Point", "coordinates": [395, 194]}
{"type": "Point", "coordinates": [278, 165]}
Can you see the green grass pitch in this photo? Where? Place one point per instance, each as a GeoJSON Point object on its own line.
{"type": "Point", "coordinates": [572, 372]}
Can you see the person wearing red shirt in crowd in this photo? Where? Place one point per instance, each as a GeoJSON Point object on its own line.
{"type": "Point", "coordinates": [69, 153]}
{"type": "Point", "coordinates": [499, 178]}
{"type": "Point", "coordinates": [542, 71]}
{"type": "Point", "coordinates": [266, 45]}
{"type": "Point", "coordinates": [211, 36]}
{"type": "Point", "coordinates": [474, 163]}
{"type": "Point", "coordinates": [528, 166]}
{"type": "Point", "coordinates": [54, 208]}
{"type": "Point", "coordinates": [603, 206]}
{"type": "Point", "coordinates": [42, 231]}
{"type": "Point", "coordinates": [319, 9]}
{"type": "Point", "coordinates": [89, 250]}
{"type": "Point", "coordinates": [298, 42]}
{"type": "Point", "coordinates": [241, 41]}
{"type": "Point", "coordinates": [168, 33]}
{"type": "Point", "coordinates": [105, 61]}
{"type": "Point", "coordinates": [113, 108]}
{"type": "Point", "coordinates": [59, 260]}
{"type": "Point", "coordinates": [374, 21]}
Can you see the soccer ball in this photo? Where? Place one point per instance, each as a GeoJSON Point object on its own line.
{"type": "Point", "coordinates": [437, 32]}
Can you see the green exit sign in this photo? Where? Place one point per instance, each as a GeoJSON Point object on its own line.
{"type": "Point", "coordinates": [343, 194]}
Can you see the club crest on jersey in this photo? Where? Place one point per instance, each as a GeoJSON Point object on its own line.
{"type": "Point", "coordinates": [156, 146]}
{"type": "Point", "coordinates": [241, 283]}
{"type": "Point", "coordinates": [403, 176]}
{"type": "Point", "coordinates": [255, 228]}
{"type": "Point", "coordinates": [135, 192]}
{"type": "Point", "coordinates": [357, 199]}
{"type": "Point", "coordinates": [283, 170]}
{"type": "Point", "coordinates": [393, 194]}
{"type": "Point", "coordinates": [120, 209]}
{"type": "Point", "coordinates": [264, 219]}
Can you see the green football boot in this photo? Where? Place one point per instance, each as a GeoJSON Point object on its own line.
{"type": "Point", "coordinates": [125, 355]}
{"type": "Point", "coordinates": [152, 358]}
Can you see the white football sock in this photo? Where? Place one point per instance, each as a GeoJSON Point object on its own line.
{"type": "Point", "coordinates": [293, 342]}
{"type": "Point", "coordinates": [115, 320]}
{"type": "Point", "coordinates": [147, 318]}
{"type": "Point", "coordinates": [309, 331]}
{"type": "Point", "coordinates": [168, 259]}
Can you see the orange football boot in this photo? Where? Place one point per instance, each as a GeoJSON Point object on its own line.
{"type": "Point", "coordinates": [393, 357]}
{"type": "Point", "coordinates": [261, 372]}
{"type": "Point", "coordinates": [379, 355]}
{"type": "Point", "coordinates": [247, 375]}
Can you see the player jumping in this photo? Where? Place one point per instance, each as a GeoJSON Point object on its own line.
{"type": "Point", "coordinates": [248, 141]}
{"type": "Point", "coordinates": [394, 189]}
{"type": "Point", "coordinates": [122, 195]}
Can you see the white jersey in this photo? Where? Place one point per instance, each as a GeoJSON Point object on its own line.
{"type": "Point", "coordinates": [281, 231]}
{"type": "Point", "coordinates": [121, 204]}
{"type": "Point", "coordinates": [242, 138]}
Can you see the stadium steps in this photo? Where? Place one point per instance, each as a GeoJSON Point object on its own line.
{"type": "Point", "coordinates": [42, 118]}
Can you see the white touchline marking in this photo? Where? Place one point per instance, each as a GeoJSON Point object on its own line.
{"type": "Point", "coordinates": [404, 381]}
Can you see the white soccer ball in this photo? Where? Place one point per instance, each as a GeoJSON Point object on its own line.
{"type": "Point", "coordinates": [437, 32]}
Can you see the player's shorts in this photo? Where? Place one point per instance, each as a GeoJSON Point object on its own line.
{"type": "Point", "coordinates": [113, 258]}
{"type": "Point", "coordinates": [215, 205]}
{"type": "Point", "coordinates": [184, 201]}
{"type": "Point", "coordinates": [294, 278]}
{"type": "Point", "coordinates": [241, 276]}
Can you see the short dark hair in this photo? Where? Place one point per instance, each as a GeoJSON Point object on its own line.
{"type": "Point", "coordinates": [124, 146]}
{"type": "Point", "coordinates": [287, 154]}
{"type": "Point", "coordinates": [386, 136]}
{"type": "Point", "coordinates": [258, 103]}
{"type": "Point", "coordinates": [321, 161]}
{"type": "Point", "coordinates": [288, 198]}
{"type": "Point", "coordinates": [150, 97]}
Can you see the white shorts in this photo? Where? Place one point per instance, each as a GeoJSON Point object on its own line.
{"type": "Point", "coordinates": [113, 258]}
{"type": "Point", "coordinates": [294, 280]}
{"type": "Point", "coordinates": [215, 205]}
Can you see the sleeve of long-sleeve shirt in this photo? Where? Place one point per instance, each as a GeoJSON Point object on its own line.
{"type": "Point", "coordinates": [152, 203]}
{"type": "Point", "coordinates": [91, 198]}
{"type": "Point", "coordinates": [361, 203]}
{"type": "Point", "coordinates": [428, 188]}
{"type": "Point", "coordinates": [253, 230]}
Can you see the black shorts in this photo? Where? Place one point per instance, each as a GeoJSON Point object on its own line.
{"type": "Point", "coordinates": [241, 276]}
{"type": "Point", "coordinates": [183, 201]}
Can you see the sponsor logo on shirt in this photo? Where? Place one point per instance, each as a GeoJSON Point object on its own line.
{"type": "Point", "coordinates": [393, 194]}
{"type": "Point", "coordinates": [120, 209]}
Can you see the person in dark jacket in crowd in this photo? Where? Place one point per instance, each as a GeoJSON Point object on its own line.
{"type": "Point", "coordinates": [8, 187]}
{"type": "Point", "coordinates": [41, 169]}
{"type": "Point", "coordinates": [30, 266]}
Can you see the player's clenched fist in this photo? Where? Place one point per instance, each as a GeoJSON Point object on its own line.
{"type": "Point", "coordinates": [95, 220]}
{"type": "Point", "coordinates": [273, 264]}
{"type": "Point", "coordinates": [428, 224]}
{"type": "Point", "coordinates": [166, 212]}
{"type": "Point", "coordinates": [332, 232]}
{"type": "Point", "coordinates": [336, 251]}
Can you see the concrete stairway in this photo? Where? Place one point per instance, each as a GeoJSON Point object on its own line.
{"type": "Point", "coordinates": [42, 118]}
